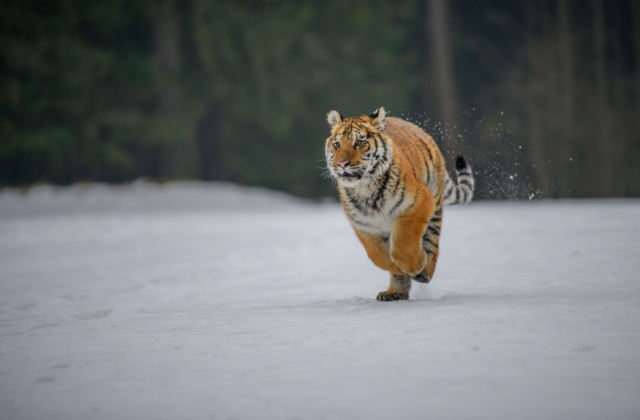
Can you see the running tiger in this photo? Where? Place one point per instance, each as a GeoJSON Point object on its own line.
{"type": "Point", "coordinates": [392, 183]}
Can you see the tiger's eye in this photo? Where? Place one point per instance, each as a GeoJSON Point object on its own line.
{"type": "Point", "coordinates": [358, 143]}
{"type": "Point", "coordinates": [336, 145]}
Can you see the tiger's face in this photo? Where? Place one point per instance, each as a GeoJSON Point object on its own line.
{"type": "Point", "coordinates": [356, 147]}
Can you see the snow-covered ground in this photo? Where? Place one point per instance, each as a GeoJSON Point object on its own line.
{"type": "Point", "coordinates": [208, 301]}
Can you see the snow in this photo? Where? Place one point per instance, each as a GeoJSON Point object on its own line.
{"type": "Point", "coordinates": [212, 301]}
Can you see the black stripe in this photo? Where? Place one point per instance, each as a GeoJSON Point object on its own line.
{"type": "Point", "coordinates": [400, 201]}
{"type": "Point", "coordinates": [396, 178]}
{"type": "Point", "coordinates": [357, 222]}
{"type": "Point", "coordinates": [415, 175]}
{"type": "Point", "coordinates": [375, 166]}
{"type": "Point", "coordinates": [427, 163]}
{"type": "Point", "coordinates": [429, 232]}
{"type": "Point", "coordinates": [424, 158]}
{"type": "Point", "coordinates": [375, 156]}
{"type": "Point", "coordinates": [464, 196]}
{"type": "Point", "coordinates": [354, 201]}
{"type": "Point", "coordinates": [429, 153]}
{"type": "Point", "coordinates": [382, 158]}
{"type": "Point", "coordinates": [449, 185]}
{"type": "Point", "coordinates": [381, 191]}
{"type": "Point", "coordinates": [448, 192]}
{"type": "Point", "coordinates": [428, 240]}
{"type": "Point", "coordinates": [384, 150]}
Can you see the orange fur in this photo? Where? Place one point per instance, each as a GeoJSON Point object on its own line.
{"type": "Point", "coordinates": [391, 181]}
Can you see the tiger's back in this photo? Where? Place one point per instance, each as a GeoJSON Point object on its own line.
{"type": "Point", "coordinates": [392, 184]}
{"type": "Point", "coordinates": [420, 152]}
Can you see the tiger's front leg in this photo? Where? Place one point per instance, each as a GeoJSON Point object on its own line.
{"type": "Point", "coordinates": [378, 251]}
{"type": "Point", "coordinates": [399, 287]}
{"type": "Point", "coordinates": [406, 238]}
{"type": "Point", "coordinates": [430, 243]}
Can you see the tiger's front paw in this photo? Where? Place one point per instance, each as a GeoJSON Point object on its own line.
{"type": "Point", "coordinates": [387, 295]}
{"type": "Point", "coordinates": [410, 263]}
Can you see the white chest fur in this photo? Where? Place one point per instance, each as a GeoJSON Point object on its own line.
{"type": "Point", "coordinates": [371, 211]}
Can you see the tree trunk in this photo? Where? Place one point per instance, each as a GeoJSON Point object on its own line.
{"type": "Point", "coordinates": [635, 24]}
{"type": "Point", "coordinates": [444, 76]}
{"type": "Point", "coordinates": [533, 111]}
{"type": "Point", "coordinates": [634, 187]}
{"type": "Point", "coordinates": [211, 165]}
{"type": "Point", "coordinates": [178, 156]}
{"type": "Point", "coordinates": [595, 156]}
{"type": "Point", "coordinates": [566, 124]}
{"type": "Point", "coordinates": [616, 141]}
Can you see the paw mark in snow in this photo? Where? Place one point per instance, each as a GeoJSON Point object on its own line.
{"type": "Point", "coordinates": [61, 366]}
{"type": "Point", "coordinates": [48, 324]}
{"type": "Point", "coordinates": [163, 279]}
{"type": "Point", "coordinates": [354, 300]}
{"type": "Point", "coordinates": [74, 297]}
{"type": "Point", "coordinates": [25, 306]}
{"type": "Point", "coordinates": [585, 349]}
{"type": "Point", "coordinates": [97, 314]}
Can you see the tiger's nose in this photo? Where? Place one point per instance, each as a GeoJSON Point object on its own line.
{"type": "Point", "coordinates": [344, 163]}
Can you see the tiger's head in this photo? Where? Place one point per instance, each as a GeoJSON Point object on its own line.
{"type": "Point", "coordinates": [357, 150]}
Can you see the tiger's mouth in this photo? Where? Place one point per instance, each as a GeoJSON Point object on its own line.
{"type": "Point", "coordinates": [350, 175]}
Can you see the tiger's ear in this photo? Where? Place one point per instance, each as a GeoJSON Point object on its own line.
{"type": "Point", "coordinates": [377, 118]}
{"type": "Point", "coordinates": [334, 118]}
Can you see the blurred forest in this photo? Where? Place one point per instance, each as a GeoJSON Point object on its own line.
{"type": "Point", "coordinates": [543, 96]}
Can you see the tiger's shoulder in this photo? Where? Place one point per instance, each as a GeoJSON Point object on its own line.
{"type": "Point", "coordinates": [404, 134]}
{"type": "Point", "coordinates": [417, 152]}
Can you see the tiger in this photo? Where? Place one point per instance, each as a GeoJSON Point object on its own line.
{"type": "Point", "coordinates": [392, 184]}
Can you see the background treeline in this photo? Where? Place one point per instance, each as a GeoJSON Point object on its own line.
{"type": "Point", "coordinates": [542, 96]}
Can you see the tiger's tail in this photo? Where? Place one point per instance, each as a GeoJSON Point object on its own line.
{"type": "Point", "coordinates": [461, 191]}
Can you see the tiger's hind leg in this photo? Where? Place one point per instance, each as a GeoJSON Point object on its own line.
{"type": "Point", "coordinates": [430, 244]}
{"type": "Point", "coordinates": [399, 287]}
